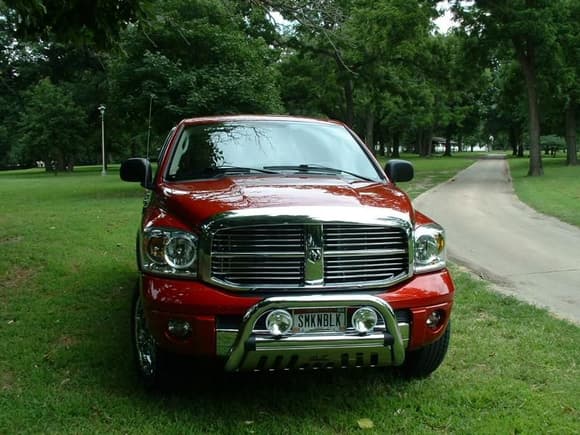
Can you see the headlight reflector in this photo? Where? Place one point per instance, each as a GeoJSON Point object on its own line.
{"type": "Point", "coordinates": [430, 253]}
{"type": "Point", "coordinates": [169, 251]}
{"type": "Point", "coordinates": [181, 251]}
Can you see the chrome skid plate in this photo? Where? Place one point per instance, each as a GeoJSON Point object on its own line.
{"type": "Point", "coordinates": [251, 348]}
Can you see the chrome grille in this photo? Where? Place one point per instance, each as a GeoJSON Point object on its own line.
{"type": "Point", "coordinates": [355, 253]}
{"type": "Point", "coordinates": [276, 255]}
{"type": "Point", "coordinates": [265, 255]}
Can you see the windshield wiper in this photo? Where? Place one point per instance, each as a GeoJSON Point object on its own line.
{"type": "Point", "coordinates": [217, 172]}
{"type": "Point", "coordinates": [240, 169]}
{"type": "Point", "coordinates": [317, 168]}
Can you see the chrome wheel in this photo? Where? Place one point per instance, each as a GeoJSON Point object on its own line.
{"type": "Point", "coordinates": [145, 345]}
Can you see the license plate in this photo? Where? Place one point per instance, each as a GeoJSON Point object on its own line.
{"type": "Point", "coordinates": [319, 320]}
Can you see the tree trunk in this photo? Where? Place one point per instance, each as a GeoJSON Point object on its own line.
{"type": "Point", "coordinates": [426, 144]}
{"type": "Point", "coordinates": [349, 103]}
{"type": "Point", "coordinates": [526, 60]}
{"type": "Point", "coordinates": [418, 142]}
{"type": "Point", "coordinates": [396, 145]}
{"type": "Point", "coordinates": [133, 148]}
{"type": "Point", "coordinates": [571, 158]}
{"type": "Point", "coordinates": [513, 141]}
{"type": "Point", "coordinates": [369, 136]}
{"type": "Point", "coordinates": [447, 143]}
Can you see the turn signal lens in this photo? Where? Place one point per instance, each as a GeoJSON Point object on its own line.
{"type": "Point", "coordinates": [364, 320]}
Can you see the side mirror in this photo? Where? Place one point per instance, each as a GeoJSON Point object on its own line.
{"type": "Point", "coordinates": [399, 170]}
{"type": "Point", "coordinates": [137, 170]}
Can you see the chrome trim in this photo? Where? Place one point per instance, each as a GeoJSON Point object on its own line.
{"type": "Point", "coordinates": [249, 347]}
{"type": "Point", "coordinates": [225, 338]}
{"type": "Point", "coordinates": [364, 253]}
{"type": "Point", "coordinates": [314, 263]}
{"type": "Point", "coordinates": [311, 218]}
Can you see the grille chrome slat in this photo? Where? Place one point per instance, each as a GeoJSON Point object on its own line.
{"type": "Point", "coordinates": [362, 261]}
{"type": "Point", "coordinates": [362, 253]}
{"type": "Point", "coordinates": [349, 243]}
{"type": "Point", "coordinates": [393, 267]}
{"type": "Point", "coordinates": [257, 268]}
{"type": "Point", "coordinates": [278, 256]}
{"type": "Point", "coordinates": [376, 277]}
{"type": "Point", "coordinates": [263, 273]}
{"type": "Point", "coordinates": [235, 254]}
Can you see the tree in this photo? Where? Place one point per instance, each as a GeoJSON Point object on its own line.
{"type": "Point", "coordinates": [528, 27]}
{"type": "Point", "coordinates": [194, 58]}
{"type": "Point", "coordinates": [24, 62]}
{"type": "Point", "coordinates": [95, 23]}
{"type": "Point", "coordinates": [567, 63]}
{"type": "Point", "coordinates": [459, 88]}
{"type": "Point", "coordinates": [360, 54]}
{"type": "Point", "coordinates": [507, 113]}
{"type": "Point", "coordinates": [51, 127]}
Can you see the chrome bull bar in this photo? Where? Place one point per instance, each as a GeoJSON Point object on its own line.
{"type": "Point", "coordinates": [253, 350]}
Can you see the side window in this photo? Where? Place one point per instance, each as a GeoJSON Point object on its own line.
{"type": "Point", "coordinates": [165, 143]}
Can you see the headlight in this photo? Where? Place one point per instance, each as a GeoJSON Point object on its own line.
{"type": "Point", "coordinates": [430, 251]}
{"type": "Point", "coordinates": [168, 251]}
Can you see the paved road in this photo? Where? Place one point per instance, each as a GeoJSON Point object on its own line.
{"type": "Point", "coordinates": [526, 254]}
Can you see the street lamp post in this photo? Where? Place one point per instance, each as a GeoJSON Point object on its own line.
{"type": "Point", "coordinates": [102, 110]}
{"type": "Point", "coordinates": [149, 124]}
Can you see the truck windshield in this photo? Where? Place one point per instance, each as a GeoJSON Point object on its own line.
{"type": "Point", "coordinates": [268, 147]}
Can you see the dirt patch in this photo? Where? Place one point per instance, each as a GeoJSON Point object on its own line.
{"type": "Point", "coordinates": [67, 341]}
{"type": "Point", "coordinates": [63, 343]}
{"type": "Point", "coordinates": [7, 381]}
{"type": "Point", "coordinates": [10, 239]}
{"type": "Point", "coordinates": [16, 277]}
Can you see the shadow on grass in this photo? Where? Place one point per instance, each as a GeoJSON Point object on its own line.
{"type": "Point", "coordinates": [196, 385]}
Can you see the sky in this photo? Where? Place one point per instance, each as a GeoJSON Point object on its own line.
{"type": "Point", "coordinates": [444, 22]}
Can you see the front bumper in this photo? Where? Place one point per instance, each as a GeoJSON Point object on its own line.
{"type": "Point", "coordinates": [252, 350]}
{"type": "Point", "coordinates": [242, 346]}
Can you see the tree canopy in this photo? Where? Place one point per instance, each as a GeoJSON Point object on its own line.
{"type": "Point", "coordinates": [509, 71]}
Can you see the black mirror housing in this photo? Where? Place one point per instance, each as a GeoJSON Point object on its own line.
{"type": "Point", "coordinates": [399, 170]}
{"type": "Point", "coordinates": [137, 170]}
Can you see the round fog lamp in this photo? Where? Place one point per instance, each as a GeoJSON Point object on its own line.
{"type": "Point", "coordinates": [434, 319]}
{"type": "Point", "coordinates": [279, 322]}
{"type": "Point", "coordinates": [364, 319]}
{"type": "Point", "coordinates": [179, 328]}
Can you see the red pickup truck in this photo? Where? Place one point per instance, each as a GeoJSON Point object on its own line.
{"type": "Point", "coordinates": [279, 243]}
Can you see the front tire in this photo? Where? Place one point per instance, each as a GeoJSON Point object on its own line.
{"type": "Point", "coordinates": [422, 362]}
{"type": "Point", "coordinates": [150, 359]}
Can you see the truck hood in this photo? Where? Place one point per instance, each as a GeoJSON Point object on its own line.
{"type": "Point", "coordinates": [195, 202]}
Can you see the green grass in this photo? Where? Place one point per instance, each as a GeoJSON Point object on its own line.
{"type": "Point", "coordinates": [433, 170]}
{"type": "Point", "coordinates": [66, 275]}
{"type": "Point", "coordinates": [556, 193]}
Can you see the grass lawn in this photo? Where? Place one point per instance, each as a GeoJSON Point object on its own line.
{"type": "Point", "coordinates": [67, 271]}
{"type": "Point", "coordinates": [433, 170]}
{"type": "Point", "coordinates": [557, 193]}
